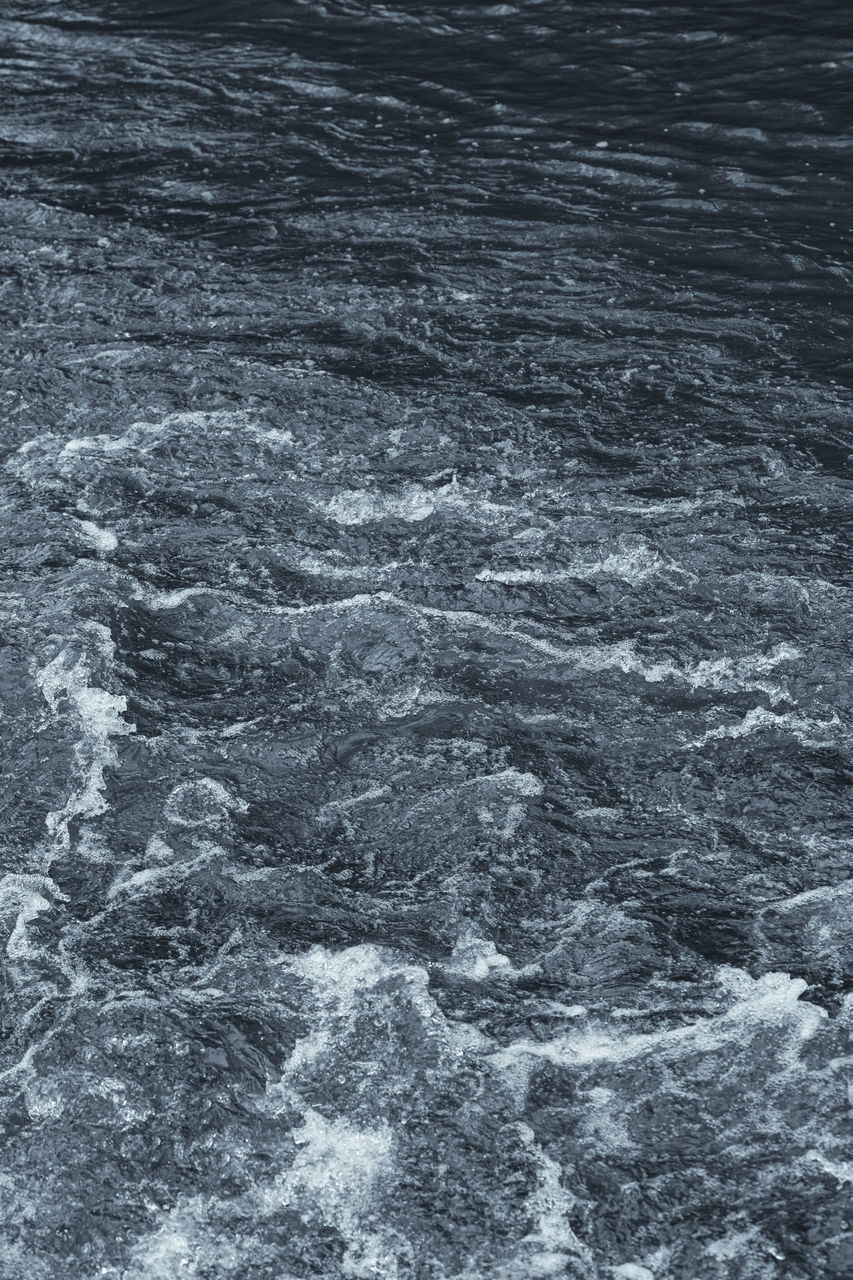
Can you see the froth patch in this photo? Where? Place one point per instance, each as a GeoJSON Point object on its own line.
{"type": "Point", "coordinates": [335, 1166]}
{"type": "Point", "coordinates": [102, 539]}
{"type": "Point", "coordinates": [65, 683]}
{"type": "Point", "coordinates": [199, 803]}
{"type": "Point", "coordinates": [412, 502]}
{"type": "Point", "coordinates": [632, 566]}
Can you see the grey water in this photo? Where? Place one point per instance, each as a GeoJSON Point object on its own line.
{"type": "Point", "coordinates": [426, 483]}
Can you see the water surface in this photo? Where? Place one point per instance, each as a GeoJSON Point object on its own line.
{"type": "Point", "coordinates": [426, 613]}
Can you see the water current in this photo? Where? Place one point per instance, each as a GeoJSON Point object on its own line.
{"type": "Point", "coordinates": [427, 510]}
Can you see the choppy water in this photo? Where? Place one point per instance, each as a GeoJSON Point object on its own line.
{"type": "Point", "coordinates": [426, 497]}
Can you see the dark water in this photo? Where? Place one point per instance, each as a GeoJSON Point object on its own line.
{"type": "Point", "coordinates": [427, 506]}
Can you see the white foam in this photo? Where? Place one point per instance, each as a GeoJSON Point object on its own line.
{"type": "Point", "coordinates": [174, 599]}
{"type": "Point", "coordinates": [200, 802]}
{"type": "Point", "coordinates": [411, 502]}
{"type": "Point", "coordinates": [548, 1247]}
{"type": "Point", "coordinates": [715, 673]}
{"type": "Point", "coordinates": [360, 506]}
{"type": "Point", "coordinates": [731, 1246]}
{"type": "Point", "coordinates": [181, 1247]}
{"type": "Point", "coordinates": [759, 719]}
{"type": "Point", "coordinates": [276, 436]}
{"type": "Point", "coordinates": [599, 812]}
{"type": "Point", "coordinates": [331, 1182]}
{"type": "Point", "coordinates": [670, 507]}
{"type": "Point", "coordinates": [103, 539]}
{"type": "Point", "coordinates": [43, 1098]}
{"type": "Point", "coordinates": [375, 792]}
{"type": "Point", "coordinates": [101, 443]}
{"type": "Point", "coordinates": [773, 998]}
{"type": "Point", "coordinates": [340, 982]}
{"type": "Point", "coordinates": [99, 716]}
{"type": "Point", "coordinates": [474, 957]}
{"type": "Point", "coordinates": [24, 894]}
{"type": "Point", "coordinates": [332, 1176]}
{"type": "Point", "coordinates": [633, 565]}
{"type": "Point", "coordinates": [339, 975]}
{"type": "Point", "coordinates": [525, 784]}
{"type": "Point", "coordinates": [841, 1170]}
{"type": "Point", "coordinates": [143, 436]}
{"type": "Point", "coordinates": [340, 1165]}
{"type": "Point", "coordinates": [174, 869]}
{"type": "Point", "coordinates": [322, 568]}
{"type": "Point", "coordinates": [725, 673]}
{"type": "Point", "coordinates": [824, 893]}
{"type": "Point", "coordinates": [513, 814]}
{"type": "Point", "coordinates": [237, 728]}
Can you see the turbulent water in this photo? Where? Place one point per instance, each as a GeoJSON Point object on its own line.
{"type": "Point", "coordinates": [427, 513]}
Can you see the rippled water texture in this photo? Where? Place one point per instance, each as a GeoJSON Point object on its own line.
{"type": "Point", "coordinates": [426, 617]}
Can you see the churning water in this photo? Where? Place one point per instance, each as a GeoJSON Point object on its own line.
{"type": "Point", "coordinates": [427, 506]}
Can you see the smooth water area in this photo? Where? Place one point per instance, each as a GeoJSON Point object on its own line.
{"type": "Point", "coordinates": [426, 476]}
